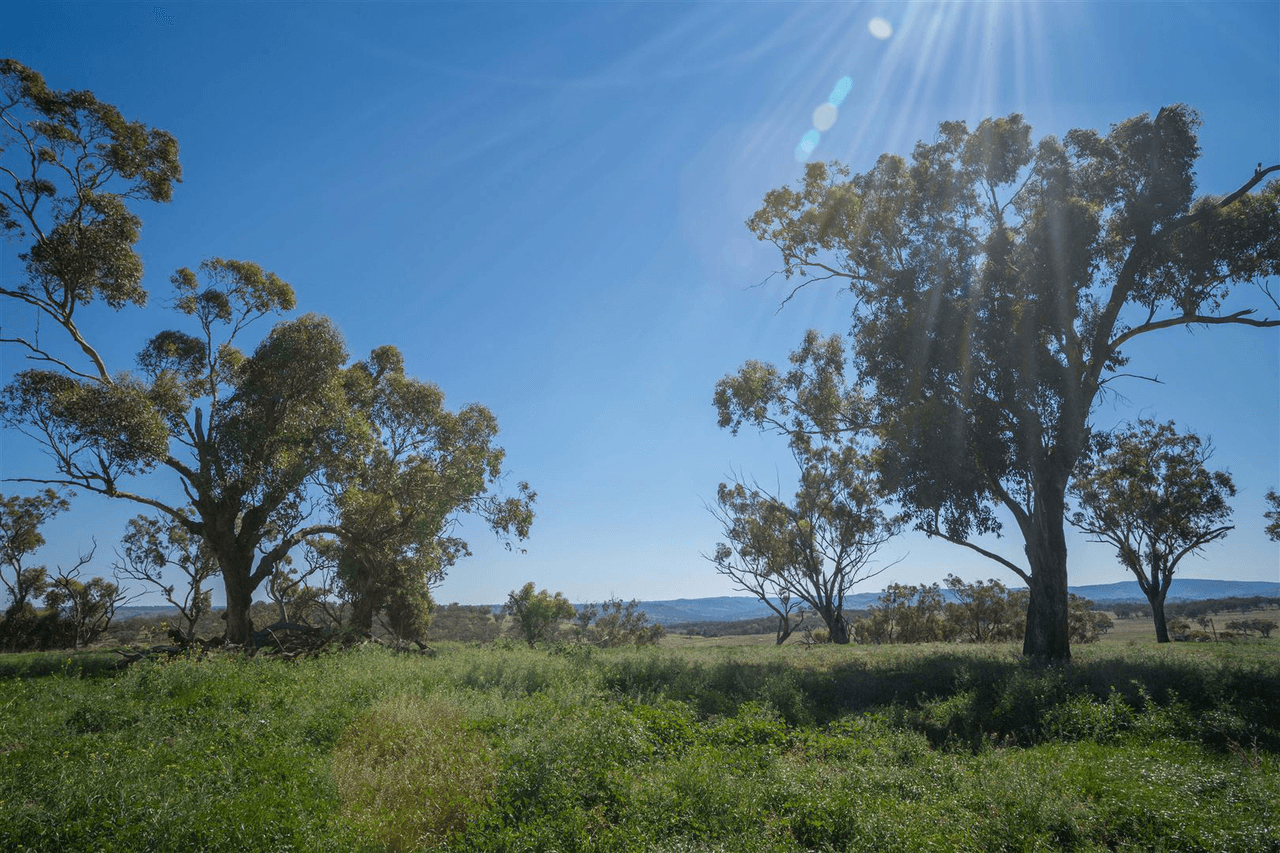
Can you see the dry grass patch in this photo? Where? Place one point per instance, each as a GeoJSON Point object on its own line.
{"type": "Point", "coordinates": [412, 772]}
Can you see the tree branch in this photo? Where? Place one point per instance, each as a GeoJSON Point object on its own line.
{"type": "Point", "coordinates": [1239, 317]}
{"type": "Point", "coordinates": [933, 530]}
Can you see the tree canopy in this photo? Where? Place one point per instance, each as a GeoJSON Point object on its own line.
{"type": "Point", "coordinates": [997, 284]}
{"type": "Point", "coordinates": [1146, 491]}
{"type": "Point", "coordinates": [271, 447]}
{"type": "Point", "coordinates": [814, 548]}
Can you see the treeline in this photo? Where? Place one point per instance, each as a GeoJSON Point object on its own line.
{"type": "Point", "coordinates": [1196, 609]}
{"type": "Point", "coordinates": [981, 612]}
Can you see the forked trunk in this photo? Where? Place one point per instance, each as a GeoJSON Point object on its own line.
{"type": "Point", "coordinates": [837, 627]}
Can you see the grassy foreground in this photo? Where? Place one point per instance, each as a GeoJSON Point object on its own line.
{"type": "Point", "coordinates": [755, 748]}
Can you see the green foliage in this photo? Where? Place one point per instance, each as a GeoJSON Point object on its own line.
{"type": "Point", "coordinates": [75, 612]}
{"type": "Point", "coordinates": [464, 623]}
{"type": "Point", "coordinates": [536, 613]}
{"type": "Point", "coordinates": [151, 546]}
{"type": "Point", "coordinates": [1146, 491]}
{"type": "Point", "coordinates": [614, 624]}
{"type": "Point", "coordinates": [252, 438]}
{"type": "Point", "coordinates": [72, 163]}
{"type": "Point", "coordinates": [837, 747]}
{"type": "Point", "coordinates": [907, 614]}
{"type": "Point", "coordinates": [991, 275]}
{"type": "Point", "coordinates": [86, 606]}
{"type": "Point", "coordinates": [985, 612]}
{"type": "Point", "coordinates": [1273, 515]}
{"type": "Point", "coordinates": [411, 772]}
{"type": "Point", "coordinates": [1248, 626]}
{"type": "Point", "coordinates": [20, 521]}
{"type": "Point", "coordinates": [813, 548]}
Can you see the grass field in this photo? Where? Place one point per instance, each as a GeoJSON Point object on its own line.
{"type": "Point", "coordinates": [1143, 629]}
{"type": "Point", "coordinates": [1131, 747]}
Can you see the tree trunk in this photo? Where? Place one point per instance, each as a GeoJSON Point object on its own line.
{"type": "Point", "coordinates": [239, 602]}
{"type": "Point", "coordinates": [1048, 633]}
{"type": "Point", "coordinates": [837, 627]}
{"type": "Point", "coordinates": [362, 613]}
{"type": "Point", "coordinates": [1157, 611]}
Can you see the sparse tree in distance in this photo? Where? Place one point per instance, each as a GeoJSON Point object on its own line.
{"type": "Point", "coordinates": [536, 613]}
{"type": "Point", "coordinates": [153, 548]}
{"type": "Point", "coordinates": [997, 283]}
{"type": "Point", "coordinates": [615, 623]}
{"type": "Point", "coordinates": [21, 518]}
{"type": "Point", "coordinates": [983, 612]}
{"type": "Point", "coordinates": [1146, 491]}
{"type": "Point", "coordinates": [813, 548]}
{"type": "Point", "coordinates": [907, 614]}
{"type": "Point", "coordinates": [86, 607]}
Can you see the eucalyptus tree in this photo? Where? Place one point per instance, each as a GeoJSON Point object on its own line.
{"type": "Point", "coordinates": [536, 613]}
{"type": "Point", "coordinates": [153, 549]}
{"type": "Point", "coordinates": [262, 443]}
{"type": "Point", "coordinates": [1146, 491]}
{"type": "Point", "coordinates": [399, 502]}
{"type": "Point", "coordinates": [997, 284]}
{"type": "Point", "coordinates": [21, 517]}
{"type": "Point", "coordinates": [814, 547]}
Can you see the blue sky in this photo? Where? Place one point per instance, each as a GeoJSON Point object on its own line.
{"type": "Point", "coordinates": [542, 205]}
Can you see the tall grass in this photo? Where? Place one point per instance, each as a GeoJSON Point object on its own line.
{"type": "Point", "coordinates": [926, 748]}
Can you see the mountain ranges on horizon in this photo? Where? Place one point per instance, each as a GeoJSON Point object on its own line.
{"type": "Point", "coordinates": [729, 608]}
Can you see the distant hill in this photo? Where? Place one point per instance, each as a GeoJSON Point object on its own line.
{"type": "Point", "coordinates": [1182, 589]}
{"type": "Point", "coordinates": [730, 608]}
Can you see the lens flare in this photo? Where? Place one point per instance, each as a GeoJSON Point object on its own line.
{"type": "Point", "coordinates": [880, 28]}
{"type": "Point", "coordinates": [825, 116]}
{"type": "Point", "coordinates": [808, 142]}
{"type": "Point", "coordinates": [841, 91]}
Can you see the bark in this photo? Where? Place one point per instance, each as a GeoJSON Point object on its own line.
{"type": "Point", "coordinates": [837, 627]}
{"type": "Point", "coordinates": [1048, 633]}
{"type": "Point", "coordinates": [1157, 611]}
{"type": "Point", "coordinates": [239, 601]}
{"type": "Point", "coordinates": [362, 613]}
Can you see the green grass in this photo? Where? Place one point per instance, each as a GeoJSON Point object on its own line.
{"type": "Point", "coordinates": [754, 748]}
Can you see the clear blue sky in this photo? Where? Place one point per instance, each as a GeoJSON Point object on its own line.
{"type": "Point", "coordinates": [542, 205]}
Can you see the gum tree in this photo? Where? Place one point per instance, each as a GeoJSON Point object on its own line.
{"type": "Point", "coordinates": [536, 612]}
{"type": "Point", "coordinates": [261, 442]}
{"type": "Point", "coordinates": [21, 518]}
{"type": "Point", "coordinates": [1272, 516]}
{"type": "Point", "coordinates": [153, 549]}
{"type": "Point", "coordinates": [1146, 491]}
{"type": "Point", "coordinates": [816, 546]}
{"type": "Point", "coordinates": [997, 284]}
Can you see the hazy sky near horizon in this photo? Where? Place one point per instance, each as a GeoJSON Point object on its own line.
{"type": "Point", "coordinates": [542, 205]}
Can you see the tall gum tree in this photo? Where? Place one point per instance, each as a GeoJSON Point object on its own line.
{"type": "Point", "coordinates": [264, 444]}
{"type": "Point", "coordinates": [997, 283]}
